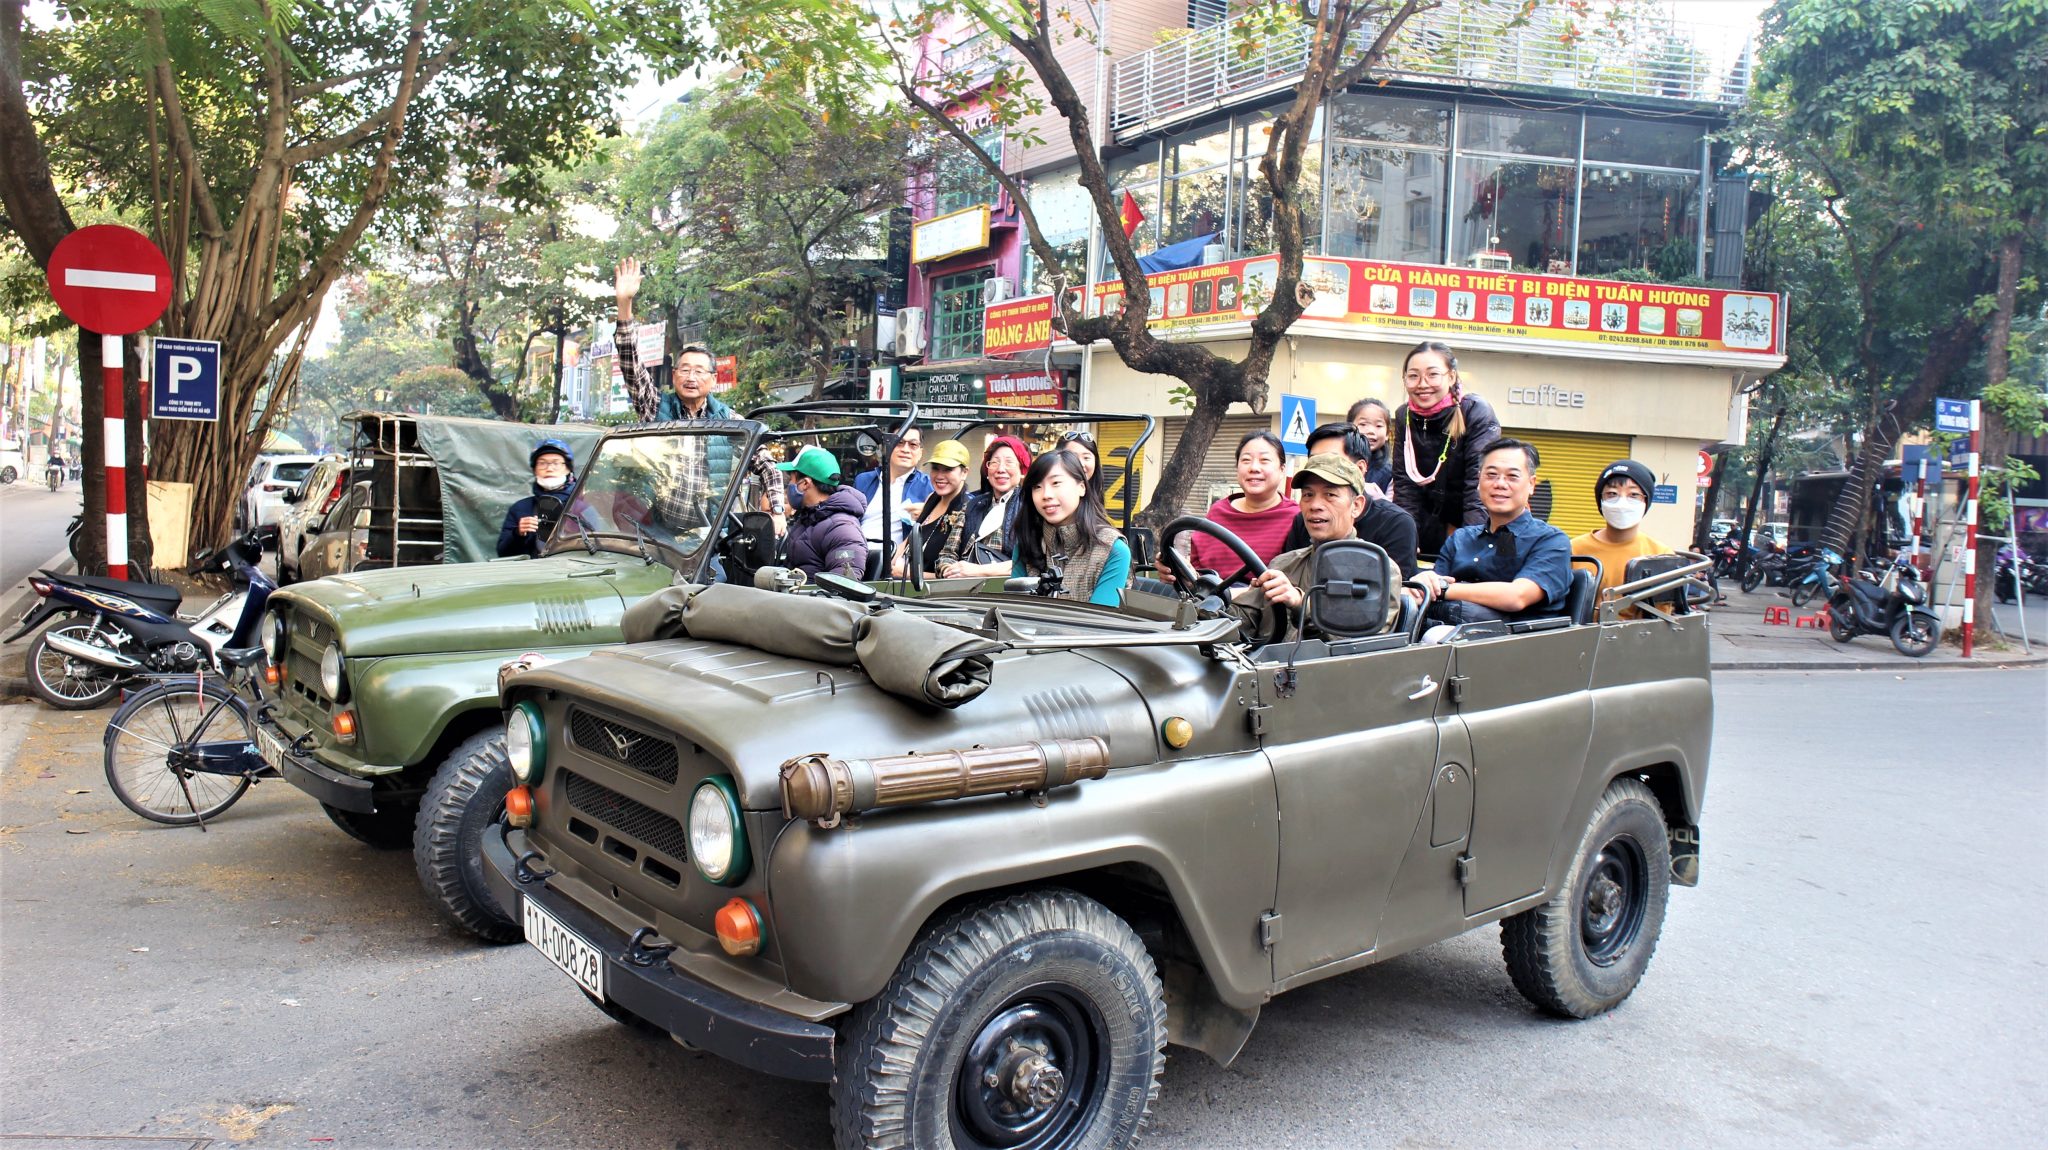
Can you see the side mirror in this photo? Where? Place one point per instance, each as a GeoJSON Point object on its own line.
{"type": "Point", "coordinates": [866, 445]}
{"type": "Point", "coordinates": [363, 519]}
{"type": "Point", "coordinates": [291, 497]}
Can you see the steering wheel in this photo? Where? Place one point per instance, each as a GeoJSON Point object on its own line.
{"type": "Point", "coordinates": [1199, 586]}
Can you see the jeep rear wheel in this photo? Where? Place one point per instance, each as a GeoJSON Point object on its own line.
{"type": "Point", "coordinates": [388, 829]}
{"type": "Point", "coordinates": [1034, 1021]}
{"type": "Point", "coordinates": [1583, 951]}
{"type": "Point", "coordinates": [463, 799]}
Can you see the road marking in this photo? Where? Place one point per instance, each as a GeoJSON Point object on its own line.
{"type": "Point", "coordinates": [118, 281]}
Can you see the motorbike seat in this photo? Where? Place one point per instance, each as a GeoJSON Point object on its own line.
{"type": "Point", "coordinates": [156, 596]}
{"type": "Point", "coordinates": [240, 656]}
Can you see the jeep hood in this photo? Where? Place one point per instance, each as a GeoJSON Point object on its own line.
{"type": "Point", "coordinates": [562, 600]}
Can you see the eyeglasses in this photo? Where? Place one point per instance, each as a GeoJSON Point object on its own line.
{"type": "Point", "coordinates": [1436, 375]}
{"type": "Point", "coordinates": [696, 371]}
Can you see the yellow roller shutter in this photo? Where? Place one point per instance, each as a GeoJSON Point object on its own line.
{"type": "Point", "coordinates": [1564, 483]}
{"type": "Point", "coordinates": [1218, 476]}
{"type": "Point", "coordinates": [1114, 441]}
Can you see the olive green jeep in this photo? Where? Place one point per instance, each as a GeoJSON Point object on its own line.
{"type": "Point", "coordinates": [974, 859]}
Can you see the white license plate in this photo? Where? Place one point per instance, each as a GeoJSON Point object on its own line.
{"type": "Point", "coordinates": [268, 746]}
{"type": "Point", "coordinates": [563, 947]}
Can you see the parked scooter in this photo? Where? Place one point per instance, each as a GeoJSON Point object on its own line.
{"type": "Point", "coordinates": [1814, 576]}
{"type": "Point", "coordinates": [1893, 605]}
{"type": "Point", "coordinates": [2019, 571]}
{"type": "Point", "coordinates": [110, 630]}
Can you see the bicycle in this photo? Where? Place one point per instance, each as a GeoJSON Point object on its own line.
{"type": "Point", "coordinates": [183, 750]}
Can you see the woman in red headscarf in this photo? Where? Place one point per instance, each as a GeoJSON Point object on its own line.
{"type": "Point", "coordinates": [983, 546]}
{"type": "Point", "coordinates": [1438, 439]}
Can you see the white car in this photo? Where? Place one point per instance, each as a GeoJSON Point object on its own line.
{"type": "Point", "coordinates": [12, 466]}
{"type": "Point", "coordinates": [263, 503]}
{"type": "Point", "coordinates": [307, 508]}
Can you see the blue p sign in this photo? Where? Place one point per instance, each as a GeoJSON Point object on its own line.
{"type": "Point", "coordinates": [186, 380]}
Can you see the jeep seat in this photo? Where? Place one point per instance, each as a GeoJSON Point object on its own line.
{"type": "Point", "coordinates": [1354, 589]}
{"type": "Point", "coordinates": [1584, 595]}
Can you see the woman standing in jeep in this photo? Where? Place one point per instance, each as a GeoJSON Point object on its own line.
{"type": "Point", "coordinates": [1439, 437]}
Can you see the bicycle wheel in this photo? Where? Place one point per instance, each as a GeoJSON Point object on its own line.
{"type": "Point", "coordinates": [157, 732]}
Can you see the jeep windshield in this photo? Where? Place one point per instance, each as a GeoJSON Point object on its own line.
{"type": "Point", "coordinates": [653, 493]}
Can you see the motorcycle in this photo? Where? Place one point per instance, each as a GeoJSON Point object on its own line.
{"type": "Point", "coordinates": [109, 631]}
{"type": "Point", "coordinates": [53, 473]}
{"type": "Point", "coordinates": [2017, 571]}
{"type": "Point", "coordinates": [1762, 565]}
{"type": "Point", "coordinates": [1893, 606]}
{"type": "Point", "coordinates": [1814, 575]}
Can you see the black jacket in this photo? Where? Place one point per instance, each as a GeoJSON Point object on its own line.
{"type": "Point", "coordinates": [1454, 498]}
{"type": "Point", "coordinates": [510, 541]}
{"type": "Point", "coordinates": [1383, 523]}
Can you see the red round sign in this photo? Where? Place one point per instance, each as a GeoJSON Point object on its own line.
{"type": "Point", "coordinates": [109, 279]}
{"type": "Point", "coordinates": [1706, 465]}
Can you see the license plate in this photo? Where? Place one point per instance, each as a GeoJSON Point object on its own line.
{"type": "Point", "coordinates": [268, 746]}
{"type": "Point", "coordinates": [563, 947]}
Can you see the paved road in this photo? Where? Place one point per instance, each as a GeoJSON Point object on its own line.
{"type": "Point", "coordinates": [1862, 966]}
{"type": "Point", "coordinates": [34, 519]}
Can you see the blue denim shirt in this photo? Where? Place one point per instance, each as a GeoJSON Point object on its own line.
{"type": "Point", "coordinates": [1526, 548]}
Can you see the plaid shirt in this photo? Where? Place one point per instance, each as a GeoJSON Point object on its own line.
{"type": "Point", "coordinates": [681, 503]}
{"type": "Point", "coordinates": [639, 384]}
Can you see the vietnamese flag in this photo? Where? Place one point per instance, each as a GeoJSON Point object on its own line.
{"type": "Point", "coordinates": [1130, 215]}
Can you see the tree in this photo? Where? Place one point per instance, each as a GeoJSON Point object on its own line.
{"type": "Point", "coordinates": [1915, 130]}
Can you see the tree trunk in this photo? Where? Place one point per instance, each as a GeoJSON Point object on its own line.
{"type": "Point", "coordinates": [1178, 476]}
{"type": "Point", "coordinates": [1996, 439]}
{"type": "Point", "coordinates": [561, 338]}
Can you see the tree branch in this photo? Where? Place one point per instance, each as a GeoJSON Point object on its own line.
{"type": "Point", "coordinates": [321, 149]}
{"type": "Point", "coordinates": [180, 131]}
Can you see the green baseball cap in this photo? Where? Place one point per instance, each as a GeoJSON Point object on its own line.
{"type": "Point", "coordinates": [1332, 468]}
{"type": "Point", "coordinates": [814, 463]}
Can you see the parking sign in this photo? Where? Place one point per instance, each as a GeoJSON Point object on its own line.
{"type": "Point", "coordinates": [186, 381]}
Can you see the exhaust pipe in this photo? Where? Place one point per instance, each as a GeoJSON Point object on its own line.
{"type": "Point", "coordinates": [65, 644]}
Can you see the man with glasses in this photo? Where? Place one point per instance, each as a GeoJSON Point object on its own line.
{"type": "Point", "coordinates": [909, 487]}
{"type": "Point", "coordinates": [1512, 566]}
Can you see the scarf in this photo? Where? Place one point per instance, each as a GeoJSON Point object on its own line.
{"type": "Point", "coordinates": [1451, 399]}
{"type": "Point", "coordinates": [995, 518]}
{"type": "Point", "coordinates": [1084, 557]}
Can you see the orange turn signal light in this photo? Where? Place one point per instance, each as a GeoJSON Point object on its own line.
{"type": "Point", "coordinates": [345, 725]}
{"type": "Point", "coordinates": [271, 675]}
{"type": "Point", "coordinates": [739, 928]}
{"type": "Point", "coordinates": [519, 806]}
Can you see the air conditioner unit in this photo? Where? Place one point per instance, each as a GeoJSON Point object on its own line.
{"type": "Point", "coordinates": [1214, 253]}
{"type": "Point", "coordinates": [910, 331]}
{"type": "Point", "coordinates": [996, 289]}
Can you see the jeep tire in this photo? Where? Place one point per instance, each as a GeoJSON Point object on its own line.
{"type": "Point", "coordinates": [1581, 952]}
{"type": "Point", "coordinates": [465, 796]}
{"type": "Point", "coordinates": [389, 829]}
{"type": "Point", "coordinates": [1033, 1021]}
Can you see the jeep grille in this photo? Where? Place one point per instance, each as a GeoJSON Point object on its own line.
{"type": "Point", "coordinates": [607, 806]}
{"type": "Point", "coordinates": [651, 755]}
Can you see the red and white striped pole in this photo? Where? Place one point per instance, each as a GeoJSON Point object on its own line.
{"type": "Point", "coordinates": [115, 438]}
{"type": "Point", "coordinates": [1970, 532]}
{"type": "Point", "coordinates": [1920, 558]}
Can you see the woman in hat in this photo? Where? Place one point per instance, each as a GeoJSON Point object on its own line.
{"type": "Point", "coordinates": [944, 510]}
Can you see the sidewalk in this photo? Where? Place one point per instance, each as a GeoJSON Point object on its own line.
{"type": "Point", "coordinates": [1742, 641]}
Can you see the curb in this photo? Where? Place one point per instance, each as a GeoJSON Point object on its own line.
{"type": "Point", "coordinates": [2020, 662]}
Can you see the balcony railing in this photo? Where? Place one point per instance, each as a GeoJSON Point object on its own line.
{"type": "Point", "coordinates": [1471, 44]}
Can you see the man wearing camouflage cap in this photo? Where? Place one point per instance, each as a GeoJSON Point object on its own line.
{"type": "Point", "coordinates": [1331, 491]}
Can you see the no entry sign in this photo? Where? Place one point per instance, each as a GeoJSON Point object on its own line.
{"type": "Point", "coordinates": [109, 279]}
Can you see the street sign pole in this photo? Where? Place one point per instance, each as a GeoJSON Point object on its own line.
{"type": "Point", "coordinates": [1970, 531]}
{"type": "Point", "coordinates": [116, 445]}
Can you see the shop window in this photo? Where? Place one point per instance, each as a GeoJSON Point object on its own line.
{"type": "Point", "coordinates": [1065, 215]}
{"type": "Point", "coordinates": [1513, 213]}
{"type": "Point", "coordinates": [1211, 149]}
{"type": "Point", "coordinates": [956, 315]}
{"type": "Point", "coordinates": [1391, 120]}
{"type": "Point", "coordinates": [1255, 199]}
{"type": "Point", "coordinates": [962, 180]}
{"type": "Point", "coordinates": [1195, 205]}
{"type": "Point", "coordinates": [1638, 219]}
{"type": "Point", "coordinates": [1519, 132]}
{"type": "Point", "coordinates": [1384, 205]}
{"type": "Point", "coordinates": [1656, 143]}
{"type": "Point", "coordinates": [1138, 174]}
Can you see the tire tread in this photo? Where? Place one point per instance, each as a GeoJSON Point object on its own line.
{"type": "Point", "coordinates": [437, 848]}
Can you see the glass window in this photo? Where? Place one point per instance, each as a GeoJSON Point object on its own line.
{"type": "Point", "coordinates": [1066, 215]}
{"type": "Point", "coordinates": [1209, 150]}
{"type": "Point", "coordinates": [1661, 143]}
{"type": "Point", "coordinates": [1385, 204]}
{"type": "Point", "coordinates": [1519, 133]}
{"type": "Point", "coordinates": [1194, 206]}
{"type": "Point", "coordinates": [962, 181]}
{"type": "Point", "coordinates": [956, 315]}
{"type": "Point", "coordinates": [1514, 211]}
{"type": "Point", "coordinates": [1631, 219]}
{"type": "Point", "coordinates": [1392, 120]}
{"type": "Point", "coordinates": [1138, 174]}
{"type": "Point", "coordinates": [1255, 200]}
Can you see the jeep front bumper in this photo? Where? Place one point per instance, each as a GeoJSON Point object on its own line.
{"type": "Point", "coordinates": [747, 1033]}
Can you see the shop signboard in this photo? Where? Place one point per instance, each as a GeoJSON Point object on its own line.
{"type": "Point", "coordinates": [1425, 300]}
{"type": "Point", "coordinates": [728, 373]}
{"type": "Point", "coordinates": [944, 387]}
{"type": "Point", "coordinates": [650, 339]}
{"type": "Point", "coordinates": [949, 235]}
{"type": "Point", "coordinates": [1025, 389]}
{"type": "Point", "coordinates": [1017, 325]}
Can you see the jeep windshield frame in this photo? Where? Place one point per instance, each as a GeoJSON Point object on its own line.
{"type": "Point", "coordinates": [630, 493]}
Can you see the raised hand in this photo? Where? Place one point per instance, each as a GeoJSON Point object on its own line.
{"type": "Point", "coordinates": [626, 285]}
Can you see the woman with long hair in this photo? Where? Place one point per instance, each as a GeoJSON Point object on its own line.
{"type": "Point", "coordinates": [1371, 418]}
{"type": "Point", "coordinates": [982, 546]}
{"type": "Point", "coordinates": [944, 509]}
{"type": "Point", "coordinates": [1081, 446]}
{"type": "Point", "coordinates": [1439, 437]}
{"type": "Point", "coordinates": [1259, 513]}
{"type": "Point", "coordinates": [1062, 526]}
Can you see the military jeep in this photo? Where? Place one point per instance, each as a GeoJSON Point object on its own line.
{"type": "Point", "coordinates": [974, 858]}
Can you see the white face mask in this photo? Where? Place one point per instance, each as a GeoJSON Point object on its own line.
{"type": "Point", "coordinates": [550, 482]}
{"type": "Point", "coordinates": [1622, 512]}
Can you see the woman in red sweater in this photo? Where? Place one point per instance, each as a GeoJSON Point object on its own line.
{"type": "Point", "coordinates": [1260, 513]}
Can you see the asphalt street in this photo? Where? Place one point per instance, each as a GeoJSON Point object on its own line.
{"type": "Point", "coordinates": [1862, 965]}
{"type": "Point", "coordinates": [32, 522]}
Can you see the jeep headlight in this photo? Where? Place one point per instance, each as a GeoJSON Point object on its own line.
{"type": "Point", "coordinates": [330, 672]}
{"type": "Point", "coordinates": [718, 844]}
{"type": "Point", "coordinates": [526, 743]}
{"type": "Point", "coordinates": [271, 635]}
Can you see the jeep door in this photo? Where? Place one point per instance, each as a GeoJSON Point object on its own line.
{"type": "Point", "coordinates": [1528, 710]}
{"type": "Point", "coordinates": [1354, 743]}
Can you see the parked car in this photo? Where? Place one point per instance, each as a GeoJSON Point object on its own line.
{"type": "Point", "coordinates": [974, 860]}
{"type": "Point", "coordinates": [305, 509]}
{"type": "Point", "coordinates": [12, 465]}
{"type": "Point", "coordinates": [269, 479]}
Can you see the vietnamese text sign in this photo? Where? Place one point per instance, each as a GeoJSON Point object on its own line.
{"type": "Point", "coordinates": [1951, 415]}
{"type": "Point", "coordinates": [1665, 493]}
{"type": "Point", "coordinates": [962, 231]}
{"type": "Point", "coordinates": [1017, 325]}
{"type": "Point", "coordinates": [1463, 301]}
{"type": "Point", "coordinates": [650, 339]}
{"type": "Point", "coordinates": [1025, 389]}
{"type": "Point", "coordinates": [944, 387]}
{"type": "Point", "coordinates": [728, 367]}
{"type": "Point", "coordinates": [185, 379]}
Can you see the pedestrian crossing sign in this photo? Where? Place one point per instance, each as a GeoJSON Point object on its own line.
{"type": "Point", "coordinates": [1297, 421]}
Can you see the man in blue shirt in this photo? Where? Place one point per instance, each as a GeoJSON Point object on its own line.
{"type": "Point", "coordinates": [1514, 566]}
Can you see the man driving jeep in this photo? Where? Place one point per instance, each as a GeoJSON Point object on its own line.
{"type": "Point", "coordinates": [1331, 491]}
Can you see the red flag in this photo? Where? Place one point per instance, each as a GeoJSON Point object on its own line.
{"type": "Point", "coordinates": [1130, 215]}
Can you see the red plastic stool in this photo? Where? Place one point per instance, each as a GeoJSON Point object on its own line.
{"type": "Point", "coordinates": [1778, 614]}
{"type": "Point", "coordinates": [1818, 620]}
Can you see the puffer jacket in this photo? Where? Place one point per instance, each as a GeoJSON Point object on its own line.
{"type": "Point", "coordinates": [510, 541]}
{"type": "Point", "coordinates": [828, 537]}
{"type": "Point", "coordinates": [1452, 500]}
